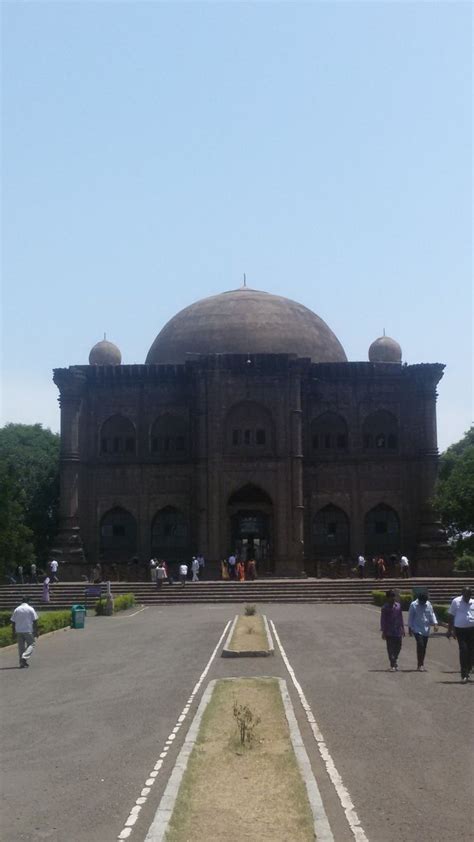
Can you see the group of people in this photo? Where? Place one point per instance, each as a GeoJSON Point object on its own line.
{"type": "Point", "coordinates": [159, 570]}
{"type": "Point", "coordinates": [379, 567]}
{"type": "Point", "coordinates": [32, 575]}
{"type": "Point", "coordinates": [421, 619]}
{"type": "Point", "coordinates": [237, 569]}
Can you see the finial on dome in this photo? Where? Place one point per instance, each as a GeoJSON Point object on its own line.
{"type": "Point", "coordinates": [245, 281]}
{"type": "Point", "coordinates": [105, 353]}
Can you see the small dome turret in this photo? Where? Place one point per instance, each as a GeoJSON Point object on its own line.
{"type": "Point", "coordinates": [385, 350]}
{"type": "Point", "coordinates": [105, 353]}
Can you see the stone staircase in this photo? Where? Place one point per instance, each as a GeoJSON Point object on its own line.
{"type": "Point", "coordinates": [65, 594]}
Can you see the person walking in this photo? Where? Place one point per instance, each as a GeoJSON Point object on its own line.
{"type": "Point", "coordinates": [392, 628]}
{"type": "Point", "coordinates": [153, 570]}
{"type": "Point", "coordinates": [160, 574]}
{"type": "Point", "coordinates": [361, 566]}
{"type": "Point", "coordinates": [231, 562]}
{"type": "Point", "coordinates": [195, 569]}
{"type": "Point", "coordinates": [421, 617]}
{"type": "Point", "coordinates": [53, 566]}
{"type": "Point", "coordinates": [202, 565]}
{"type": "Point", "coordinates": [404, 567]}
{"type": "Point", "coordinates": [33, 574]}
{"type": "Point", "coordinates": [24, 622]}
{"type": "Point", "coordinates": [183, 573]}
{"type": "Point", "coordinates": [461, 626]}
{"type": "Point", "coordinates": [45, 591]}
{"type": "Point", "coordinates": [19, 574]}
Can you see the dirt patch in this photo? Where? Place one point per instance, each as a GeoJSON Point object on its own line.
{"type": "Point", "coordinates": [234, 793]}
{"type": "Point", "coordinates": [249, 635]}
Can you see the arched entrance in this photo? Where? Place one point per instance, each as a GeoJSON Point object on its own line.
{"type": "Point", "coordinates": [117, 541]}
{"type": "Point", "coordinates": [251, 524]}
{"type": "Point", "coordinates": [382, 531]}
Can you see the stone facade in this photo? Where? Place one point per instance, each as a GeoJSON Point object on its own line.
{"type": "Point", "coordinates": [297, 462]}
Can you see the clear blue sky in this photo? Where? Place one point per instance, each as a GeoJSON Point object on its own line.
{"type": "Point", "coordinates": [153, 152]}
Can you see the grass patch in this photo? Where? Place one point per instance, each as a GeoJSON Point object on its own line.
{"type": "Point", "coordinates": [234, 792]}
{"type": "Point", "coordinates": [249, 635]}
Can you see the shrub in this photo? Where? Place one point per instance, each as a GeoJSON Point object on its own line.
{"type": "Point", "coordinates": [250, 610]}
{"type": "Point", "coordinates": [403, 598]}
{"type": "Point", "coordinates": [121, 603]}
{"type": "Point", "coordinates": [441, 612]}
{"type": "Point", "coordinates": [49, 621]}
{"type": "Point", "coordinates": [465, 563]}
{"type": "Point", "coordinates": [5, 618]}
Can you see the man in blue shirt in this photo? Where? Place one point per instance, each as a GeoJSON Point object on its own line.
{"type": "Point", "coordinates": [421, 617]}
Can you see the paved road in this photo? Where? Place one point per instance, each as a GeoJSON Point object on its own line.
{"type": "Point", "coordinates": [84, 726]}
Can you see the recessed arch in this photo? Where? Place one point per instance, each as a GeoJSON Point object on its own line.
{"type": "Point", "coordinates": [328, 432]}
{"type": "Point", "coordinates": [249, 430]}
{"type": "Point", "coordinates": [117, 437]}
{"type": "Point", "coordinates": [170, 534]}
{"type": "Point", "coordinates": [169, 436]}
{"type": "Point", "coordinates": [380, 432]}
{"type": "Point", "coordinates": [331, 532]}
{"type": "Point", "coordinates": [249, 494]}
{"type": "Point", "coordinates": [382, 530]}
{"type": "Point", "coordinates": [117, 536]}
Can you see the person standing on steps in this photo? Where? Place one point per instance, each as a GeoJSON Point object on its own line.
{"type": "Point", "coordinates": [392, 628]}
{"type": "Point", "coordinates": [421, 617]}
{"type": "Point", "coordinates": [461, 626]}
{"type": "Point", "coordinates": [361, 566]}
{"type": "Point", "coordinates": [195, 569]}
{"type": "Point", "coordinates": [183, 573]}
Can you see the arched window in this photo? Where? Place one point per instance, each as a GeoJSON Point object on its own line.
{"type": "Point", "coordinates": [331, 532]}
{"type": "Point", "coordinates": [169, 437]}
{"type": "Point", "coordinates": [117, 437]}
{"type": "Point", "coordinates": [118, 535]}
{"type": "Point", "coordinates": [249, 430]}
{"type": "Point", "coordinates": [170, 534]}
{"type": "Point", "coordinates": [382, 530]}
{"type": "Point", "coordinates": [328, 433]}
{"type": "Point", "coordinates": [380, 432]}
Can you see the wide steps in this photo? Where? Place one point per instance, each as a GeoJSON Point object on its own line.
{"type": "Point", "coordinates": [65, 594]}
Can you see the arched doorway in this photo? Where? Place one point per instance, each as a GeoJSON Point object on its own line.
{"type": "Point", "coordinates": [250, 510]}
{"type": "Point", "coordinates": [170, 535]}
{"type": "Point", "coordinates": [331, 541]}
{"type": "Point", "coordinates": [382, 531]}
{"type": "Point", "coordinates": [117, 541]}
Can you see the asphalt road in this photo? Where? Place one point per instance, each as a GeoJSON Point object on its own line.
{"type": "Point", "coordinates": [82, 728]}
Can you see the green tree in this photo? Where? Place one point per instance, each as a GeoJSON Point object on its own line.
{"type": "Point", "coordinates": [16, 539]}
{"type": "Point", "coordinates": [455, 489]}
{"type": "Point", "coordinates": [29, 459]}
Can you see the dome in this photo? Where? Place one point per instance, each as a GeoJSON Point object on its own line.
{"type": "Point", "coordinates": [246, 321]}
{"type": "Point", "coordinates": [105, 353]}
{"type": "Point", "coordinates": [385, 350]}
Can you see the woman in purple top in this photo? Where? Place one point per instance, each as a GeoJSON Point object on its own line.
{"type": "Point", "coordinates": [392, 628]}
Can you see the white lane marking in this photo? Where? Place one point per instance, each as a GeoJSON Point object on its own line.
{"type": "Point", "coordinates": [127, 829]}
{"type": "Point", "coordinates": [134, 614]}
{"type": "Point", "coordinates": [343, 794]}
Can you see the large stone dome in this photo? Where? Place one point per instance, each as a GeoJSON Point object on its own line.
{"type": "Point", "coordinates": [246, 321]}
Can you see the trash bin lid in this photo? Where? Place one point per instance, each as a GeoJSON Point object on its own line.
{"type": "Point", "coordinates": [78, 607]}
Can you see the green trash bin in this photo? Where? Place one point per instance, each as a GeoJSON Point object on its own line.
{"type": "Point", "coordinates": [78, 616]}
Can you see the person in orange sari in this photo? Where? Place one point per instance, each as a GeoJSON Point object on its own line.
{"type": "Point", "coordinates": [224, 569]}
{"type": "Point", "coordinates": [240, 571]}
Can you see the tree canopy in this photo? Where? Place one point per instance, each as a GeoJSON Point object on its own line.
{"type": "Point", "coordinates": [29, 496]}
{"type": "Point", "coordinates": [455, 489]}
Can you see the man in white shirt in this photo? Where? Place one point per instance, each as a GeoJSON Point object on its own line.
{"type": "Point", "coordinates": [24, 622]}
{"type": "Point", "coordinates": [461, 626]}
{"type": "Point", "coordinates": [361, 566]}
{"type": "Point", "coordinates": [195, 569]}
{"type": "Point", "coordinates": [404, 567]}
{"type": "Point", "coordinates": [231, 564]}
{"type": "Point", "coordinates": [153, 568]}
{"type": "Point", "coordinates": [183, 573]}
{"type": "Point", "coordinates": [53, 566]}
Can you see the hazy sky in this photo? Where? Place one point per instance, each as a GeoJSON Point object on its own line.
{"type": "Point", "coordinates": [153, 152]}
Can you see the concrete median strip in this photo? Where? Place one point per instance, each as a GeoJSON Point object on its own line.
{"type": "Point", "coordinates": [282, 799]}
{"type": "Point", "coordinates": [237, 644]}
